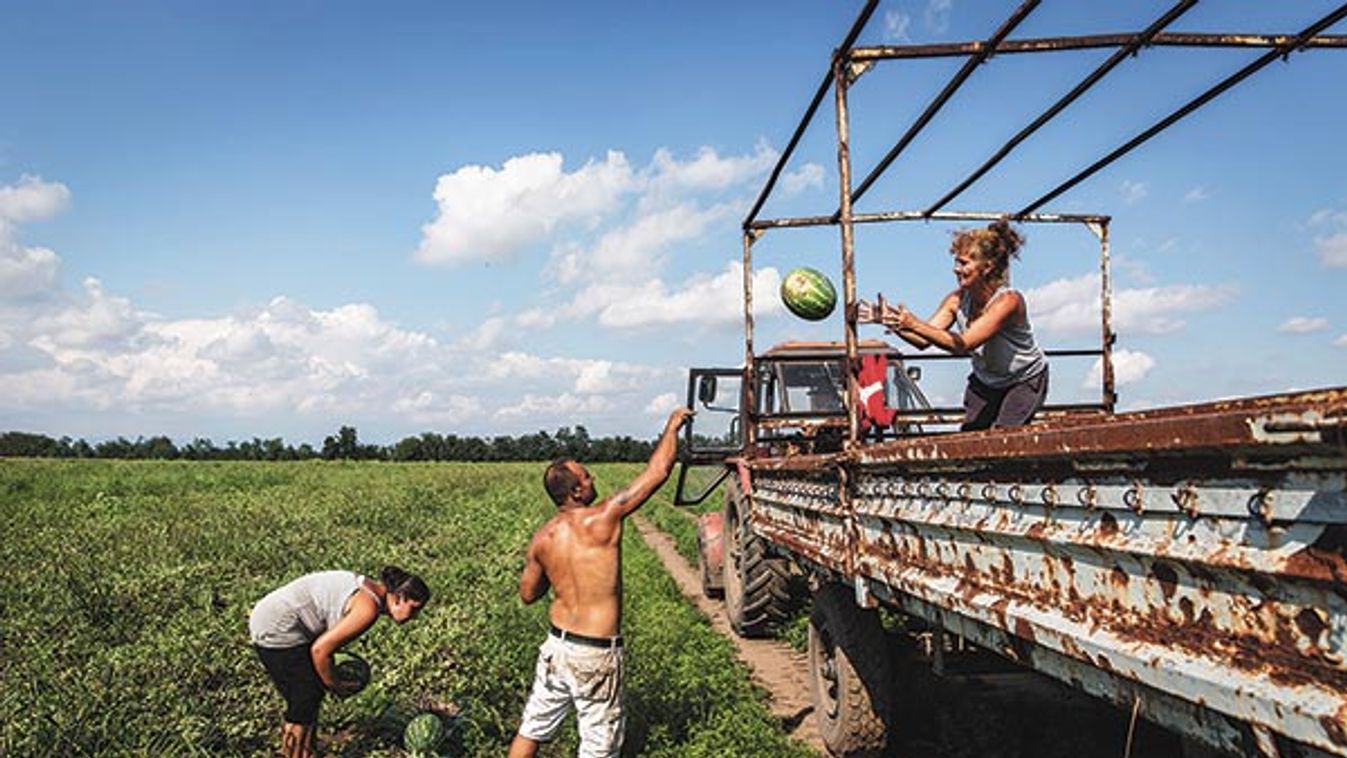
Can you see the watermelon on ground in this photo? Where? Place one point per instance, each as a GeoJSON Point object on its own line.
{"type": "Point", "coordinates": [423, 733]}
{"type": "Point", "coordinates": [808, 294]}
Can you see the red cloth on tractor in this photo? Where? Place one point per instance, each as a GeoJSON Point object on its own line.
{"type": "Point", "coordinates": [874, 410]}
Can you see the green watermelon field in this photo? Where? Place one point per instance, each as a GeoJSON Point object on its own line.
{"type": "Point", "coordinates": [123, 614]}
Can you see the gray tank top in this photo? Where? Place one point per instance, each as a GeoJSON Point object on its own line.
{"type": "Point", "coordinates": [297, 613]}
{"type": "Point", "coordinates": [1010, 356]}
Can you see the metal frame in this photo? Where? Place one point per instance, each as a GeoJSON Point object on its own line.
{"type": "Point", "coordinates": [849, 63]}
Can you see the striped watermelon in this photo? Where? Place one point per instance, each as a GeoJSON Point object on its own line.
{"type": "Point", "coordinates": [808, 294]}
{"type": "Point", "coordinates": [351, 669]}
{"type": "Point", "coordinates": [423, 734]}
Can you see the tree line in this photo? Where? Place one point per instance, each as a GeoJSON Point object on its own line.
{"type": "Point", "coordinates": [570, 442]}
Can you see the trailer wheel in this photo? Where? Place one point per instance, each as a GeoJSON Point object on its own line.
{"type": "Point", "coordinates": [850, 673]}
{"type": "Point", "coordinates": [757, 585]}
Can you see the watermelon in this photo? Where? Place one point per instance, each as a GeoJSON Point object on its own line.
{"type": "Point", "coordinates": [808, 294]}
{"type": "Point", "coordinates": [352, 669]}
{"type": "Point", "coordinates": [423, 734]}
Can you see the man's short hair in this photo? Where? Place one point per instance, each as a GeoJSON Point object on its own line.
{"type": "Point", "coordinates": [559, 480]}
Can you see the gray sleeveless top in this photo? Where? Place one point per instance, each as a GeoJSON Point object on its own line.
{"type": "Point", "coordinates": [1010, 356]}
{"type": "Point", "coordinates": [297, 613]}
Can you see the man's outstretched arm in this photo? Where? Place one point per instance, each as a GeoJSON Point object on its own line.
{"type": "Point", "coordinates": [656, 471]}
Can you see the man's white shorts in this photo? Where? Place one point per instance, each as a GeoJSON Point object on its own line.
{"type": "Point", "coordinates": [587, 678]}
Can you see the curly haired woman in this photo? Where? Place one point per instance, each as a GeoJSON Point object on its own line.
{"type": "Point", "coordinates": [1010, 373]}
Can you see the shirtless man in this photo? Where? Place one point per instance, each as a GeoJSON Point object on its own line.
{"type": "Point", "coordinates": [578, 553]}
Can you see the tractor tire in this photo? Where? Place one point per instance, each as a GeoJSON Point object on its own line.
{"type": "Point", "coordinates": [758, 586]}
{"type": "Point", "coordinates": [850, 674]}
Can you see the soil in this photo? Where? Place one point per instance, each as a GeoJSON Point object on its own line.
{"type": "Point", "coordinates": [982, 706]}
{"type": "Point", "coordinates": [776, 666]}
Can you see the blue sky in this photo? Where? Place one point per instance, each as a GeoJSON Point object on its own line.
{"type": "Point", "coordinates": [275, 218]}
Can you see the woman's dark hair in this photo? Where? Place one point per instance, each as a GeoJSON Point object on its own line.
{"type": "Point", "coordinates": [410, 586]}
{"type": "Point", "coordinates": [996, 244]}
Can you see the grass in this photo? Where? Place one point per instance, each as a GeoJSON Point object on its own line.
{"type": "Point", "coordinates": [123, 620]}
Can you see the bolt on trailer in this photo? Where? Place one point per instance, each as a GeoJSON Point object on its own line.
{"type": "Point", "coordinates": [1186, 563]}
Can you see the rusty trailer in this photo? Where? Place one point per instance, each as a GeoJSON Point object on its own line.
{"type": "Point", "coordinates": [1188, 564]}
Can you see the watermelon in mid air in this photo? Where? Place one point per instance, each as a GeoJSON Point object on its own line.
{"type": "Point", "coordinates": [808, 294]}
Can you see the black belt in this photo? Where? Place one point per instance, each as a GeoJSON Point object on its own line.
{"type": "Point", "coordinates": [583, 639]}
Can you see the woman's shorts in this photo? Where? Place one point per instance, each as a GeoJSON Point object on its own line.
{"type": "Point", "coordinates": [291, 669]}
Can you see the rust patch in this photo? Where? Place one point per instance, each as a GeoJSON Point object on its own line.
{"type": "Point", "coordinates": [1336, 726]}
{"type": "Point", "coordinates": [1023, 629]}
{"type": "Point", "coordinates": [1311, 625]}
{"type": "Point", "coordinates": [1325, 560]}
{"type": "Point", "coordinates": [1167, 577]}
{"type": "Point", "coordinates": [1036, 531]}
{"type": "Point", "coordinates": [1119, 576]}
{"type": "Point", "coordinates": [1108, 525]}
{"type": "Point", "coordinates": [1186, 608]}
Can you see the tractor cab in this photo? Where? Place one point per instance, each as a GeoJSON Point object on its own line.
{"type": "Point", "coordinates": [796, 404]}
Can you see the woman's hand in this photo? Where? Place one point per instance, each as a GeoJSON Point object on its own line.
{"type": "Point", "coordinates": [898, 318]}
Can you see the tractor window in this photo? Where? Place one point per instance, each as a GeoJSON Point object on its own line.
{"type": "Point", "coordinates": [814, 387]}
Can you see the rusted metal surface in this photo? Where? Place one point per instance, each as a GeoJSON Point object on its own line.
{"type": "Point", "coordinates": [1123, 53]}
{"type": "Point", "coordinates": [749, 387]}
{"type": "Point", "coordinates": [1202, 438]}
{"type": "Point", "coordinates": [1215, 591]}
{"type": "Point", "coordinates": [1188, 562]}
{"type": "Point", "coordinates": [887, 216]}
{"type": "Point", "coordinates": [974, 60]}
{"type": "Point", "coordinates": [847, 231]}
{"type": "Point", "coordinates": [1089, 42]}
{"type": "Point", "coordinates": [1279, 51]}
{"type": "Point", "coordinates": [856, 26]}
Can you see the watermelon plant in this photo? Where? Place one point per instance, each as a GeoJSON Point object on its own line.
{"type": "Point", "coordinates": [151, 568]}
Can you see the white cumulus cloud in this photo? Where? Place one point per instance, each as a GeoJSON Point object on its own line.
{"type": "Point", "coordinates": [896, 24]}
{"type": "Point", "coordinates": [808, 176]}
{"type": "Point", "coordinates": [564, 405]}
{"type": "Point", "coordinates": [1072, 305]}
{"type": "Point", "coordinates": [937, 15]}
{"type": "Point", "coordinates": [636, 249]}
{"type": "Point", "coordinates": [32, 200]}
{"type": "Point", "coordinates": [586, 376]}
{"type": "Point", "coordinates": [707, 169]}
{"type": "Point", "coordinates": [1303, 324]}
{"type": "Point", "coordinates": [1196, 195]}
{"type": "Point", "coordinates": [488, 214]}
{"type": "Point", "coordinates": [1128, 366]}
{"type": "Point", "coordinates": [1332, 250]}
{"type": "Point", "coordinates": [663, 404]}
{"type": "Point", "coordinates": [704, 299]}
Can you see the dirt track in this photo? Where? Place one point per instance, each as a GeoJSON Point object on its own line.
{"type": "Point", "coordinates": [992, 711]}
{"type": "Point", "coordinates": [775, 665]}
